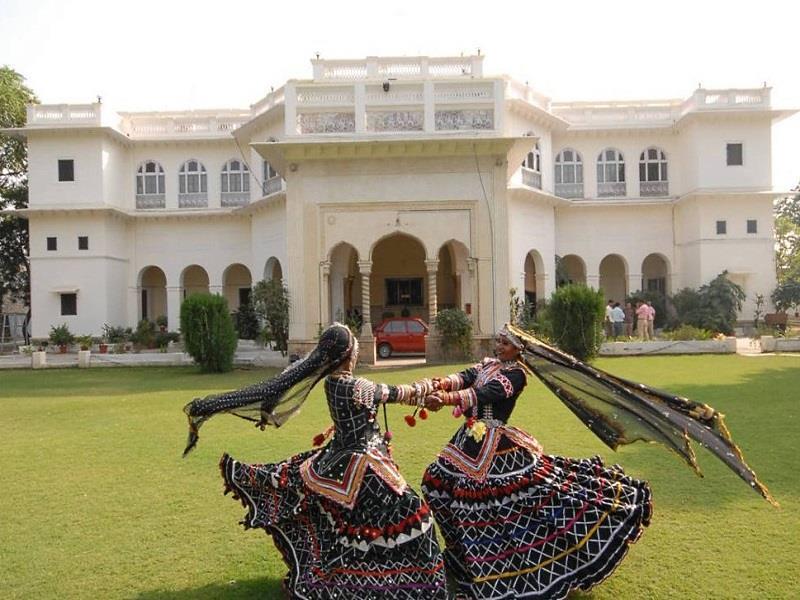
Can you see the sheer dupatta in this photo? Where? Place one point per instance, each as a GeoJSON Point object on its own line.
{"type": "Point", "coordinates": [621, 412]}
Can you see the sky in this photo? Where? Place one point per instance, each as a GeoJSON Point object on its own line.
{"type": "Point", "coordinates": [174, 54]}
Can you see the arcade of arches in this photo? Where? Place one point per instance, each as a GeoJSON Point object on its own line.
{"type": "Point", "coordinates": [613, 275]}
{"type": "Point", "coordinates": [398, 279]}
{"type": "Point", "coordinates": [159, 295]}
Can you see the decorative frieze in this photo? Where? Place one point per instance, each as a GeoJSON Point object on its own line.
{"type": "Point", "coordinates": [449, 120]}
{"type": "Point", "coordinates": [398, 120]}
{"type": "Point", "coordinates": [327, 122]}
{"type": "Point", "coordinates": [146, 201]}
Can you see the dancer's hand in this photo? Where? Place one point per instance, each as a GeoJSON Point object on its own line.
{"type": "Point", "coordinates": [434, 401]}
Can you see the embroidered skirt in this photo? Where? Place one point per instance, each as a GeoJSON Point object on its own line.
{"type": "Point", "coordinates": [521, 524]}
{"type": "Point", "coordinates": [382, 546]}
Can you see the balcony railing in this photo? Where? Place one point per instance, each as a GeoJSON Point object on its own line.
{"type": "Point", "coordinates": [195, 200]}
{"type": "Point", "coordinates": [611, 189]}
{"type": "Point", "coordinates": [531, 178]}
{"type": "Point", "coordinates": [273, 185]}
{"type": "Point", "coordinates": [165, 125]}
{"type": "Point", "coordinates": [232, 199]}
{"type": "Point", "coordinates": [64, 114]}
{"type": "Point", "coordinates": [649, 189]}
{"type": "Point", "coordinates": [411, 67]}
{"type": "Point", "coordinates": [569, 190]}
{"type": "Point", "coordinates": [147, 201]}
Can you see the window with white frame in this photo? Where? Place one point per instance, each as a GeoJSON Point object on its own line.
{"type": "Point", "coordinates": [534, 160]}
{"type": "Point", "coordinates": [610, 173]}
{"type": "Point", "coordinates": [569, 174]}
{"type": "Point", "coordinates": [150, 179]}
{"type": "Point", "coordinates": [192, 178]}
{"type": "Point", "coordinates": [235, 177]}
{"type": "Point", "coordinates": [653, 165]}
{"type": "Point", "coordinates": [653, 180]}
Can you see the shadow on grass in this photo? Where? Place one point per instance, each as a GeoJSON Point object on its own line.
{"type": "Point", "coordinates": [262, 587]}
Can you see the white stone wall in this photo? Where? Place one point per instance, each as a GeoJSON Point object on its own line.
{"type": "Point", "coordinates": [45, 149]}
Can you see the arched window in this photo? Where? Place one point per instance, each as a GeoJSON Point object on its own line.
{"type": "Point", "coordinates": [235, 177]}
{"type": "Point", "coordinates": [532, 168]}
{"type": "Point", "coordinates": [610, 173]}
{"type": "Point", "coordinates": [150, 185]}
{"type": "Point", "coordinates": [192, 185]}
{"type": "Point", "coordinates": [569, 174]}
{"type": "Point", "coordinates": [653, 173]}
{"type": "Point", "coordinates": [235, 183]}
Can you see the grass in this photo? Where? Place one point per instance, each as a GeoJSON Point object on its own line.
{"type": "Point", "coordinates": [96, 501]}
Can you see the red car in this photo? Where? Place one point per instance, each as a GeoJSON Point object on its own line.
{"type": "Point", "coordinates": [400, 334]}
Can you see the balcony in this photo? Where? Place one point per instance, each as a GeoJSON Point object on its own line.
{"type": "Point", "coordinates": [64, 114]}
{"type": "Point", "coordinates": [234, 199]}
{"type": "Point", "coordinates": [198, 124]}
{"type": "Point", "coordinates": [569, 190]}
{"type": "Point", "coordinates": [388, 67]}
{"type": "Point", "coordinates": [193, 200]}
{"type": "Point", "coordinates": [652, 189]}
{"type": "Point", "coordinates": [532, 178]}
{"type": "Point", "coordinates": [273, 185]}
{"type": "Point", "coordinates": [611, 189]}
{"type": "Point", "coordinates": [148, 201]}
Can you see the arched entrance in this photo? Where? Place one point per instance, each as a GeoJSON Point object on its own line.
{"type": "Point", "coordinates": [344, 284]}
{"type": "Point", "coordinates": [572, 270]}
{"type": "Point", "coordinates": [453, 289]}
{"type": "Point", "coordinates": [272, 269]}
{"type": "Point", "coordinates": [655, 274]}
{"type": "Point", "coordinates": [194, 280]}
{"type": "Point", "coordinates": [152, 293]}
{"type": "Point", "coordinates": [236, 286]}
{"type": "Point", "coordinates": [398, 280]}
{"type": "Point", "coordinates": [533, 290]}
{"type": "Point", "coordinates": [614, 278]}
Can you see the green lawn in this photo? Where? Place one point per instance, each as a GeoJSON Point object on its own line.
{"type": "Point", "coordinates": [97, 502]}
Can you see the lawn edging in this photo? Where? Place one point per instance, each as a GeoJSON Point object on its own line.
{"type": "Point", "coordinates": [632, 348]}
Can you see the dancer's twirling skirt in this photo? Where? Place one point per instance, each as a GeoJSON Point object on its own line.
{"type": "Point", "coordinates": [521, 524]}
{"type": "Point", "coordinates": [383, 547]}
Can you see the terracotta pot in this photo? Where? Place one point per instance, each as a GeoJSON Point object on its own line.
{"type": "Point", "coordinates": [62, 349]}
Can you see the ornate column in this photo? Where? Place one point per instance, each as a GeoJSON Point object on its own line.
{"type": "Point", "coordinates": [325, 293]}
{"type": "Point", "coordinates": [365, 268]}
{"type": "Point", "coordinates": [432, 266]}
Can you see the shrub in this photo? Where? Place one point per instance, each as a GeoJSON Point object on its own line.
{"type": "Point", "coordinates": [576, 316]}
{"type": "Point", "coordinates": [787, 295]}
{"type": "Point", "coordinates": [246, 322]}
{"type": "Point", "coordinates": [145, 334]}
{"type": "Point", "coordinates": [208, 333]}
{"type": "Point", "coordinates": [688, 332]}
{"type": "Point", "coordinates": [85, 342]}
{"type": "Point", "coordinates": [454, 326]}
{"type": "Point", "coordinates": [713, 306]}
{"type": "Point", "coordinates": [61, 335]}
{"type": "Point", "coordinates": [115, 335]}
{"type": "Point", "coordinates": [163, 338]}
{"type": "Point", "coordinates": [271, 303]}
{"type": "Point", "coordinates": [161, 321]}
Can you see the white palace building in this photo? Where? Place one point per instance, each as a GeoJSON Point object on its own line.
{"type": "Point", "coordinates": [386, 183]}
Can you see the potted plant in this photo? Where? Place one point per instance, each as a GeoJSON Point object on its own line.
{"type": "Point", "coordinates": [61, 336]}
{"type": "Point", "coordinates": [115, 337]}
{"type": "Point", "coordinates": [161, 321]}
{"type": "Point", "coordinates": [85, 342]}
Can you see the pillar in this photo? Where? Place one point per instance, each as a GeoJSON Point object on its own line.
{"type": "Point", "coordinates": [366, 340]}
{"type": "Point", "coordinates": [174, 299]}
{"type": "Point", "coordinates": [432, 266]}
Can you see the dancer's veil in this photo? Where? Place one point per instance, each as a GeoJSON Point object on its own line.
{"type": "Point", "coordinates": [621, 412]}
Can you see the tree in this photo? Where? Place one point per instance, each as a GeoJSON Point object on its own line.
{"type": "Point", "coordinates": [271, 302]}
{"type": "Point", "coordinates": [787, 237]}
{"type": "Point", "coordinates": [714, 306]}
{"type": "Point", "coordinates": [14, 267]}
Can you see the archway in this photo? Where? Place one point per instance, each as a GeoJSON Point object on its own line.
{"type": "Point", "coordinates": [194, 280]}
{"type": "Point", "coordinates": [398, 282]}
{"type": "Point", "coordinates": [614, 278]}
{"type": "Point", "coordinates": [572, 270]}
{"type": "Point", "coordinates": [272, 269]}
{"type": "Point", "coordinates": [453, 288]}
{"type": "Point", "coordinates": [344, 284]}
{"type": "Point", "coordinates": [533, 290]}
{"type": "Point", "coordinates": [655, 274]}
{"type": "Point", "coordinates": [236, 285]}
{"type": "Point", "coordinates": [152, 293]}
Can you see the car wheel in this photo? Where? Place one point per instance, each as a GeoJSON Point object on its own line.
{"type": "Point", "coordinates": [384, 350]}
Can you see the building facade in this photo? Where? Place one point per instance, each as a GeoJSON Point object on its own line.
{"type": "Point", "coordinates": [388, 185]}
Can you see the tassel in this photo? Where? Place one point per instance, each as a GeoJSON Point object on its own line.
{"type": "Point", "coordinates": [457, 412]}
{"type": "Point", "coordinates": [423, 414]}
{"type": "Point", "coordinates": [410, 420]}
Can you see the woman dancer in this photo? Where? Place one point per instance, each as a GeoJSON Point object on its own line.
{"type": "Point", "coordinates": [518, 523]}
{"type": "Point", "coordinates": [343, 517]}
